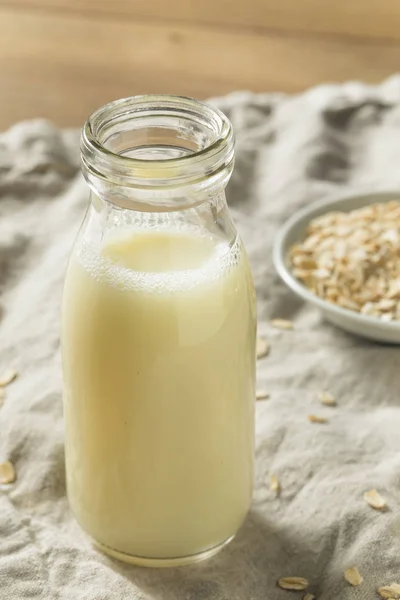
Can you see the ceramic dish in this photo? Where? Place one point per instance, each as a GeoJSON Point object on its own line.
{"type": "Point", "coordinates": [294, 231]}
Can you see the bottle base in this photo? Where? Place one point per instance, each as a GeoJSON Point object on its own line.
{"type": "Point", "coordinates": [180, 561]}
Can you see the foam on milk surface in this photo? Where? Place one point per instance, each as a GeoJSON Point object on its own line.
{"type": "Point", "coordinates": [120, 264]}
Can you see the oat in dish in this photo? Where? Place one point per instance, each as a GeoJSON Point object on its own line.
{"type": "Point", "coordinates": [352, 259]}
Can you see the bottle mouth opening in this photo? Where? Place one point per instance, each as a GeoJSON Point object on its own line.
{"type": "Point", "coordinates": [157, 142]}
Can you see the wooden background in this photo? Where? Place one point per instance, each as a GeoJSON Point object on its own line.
{"type": "Point", "coordinates": [61, 59]}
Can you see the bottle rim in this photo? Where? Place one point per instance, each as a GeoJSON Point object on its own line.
{"type": "Point", "coordinates": [203, 167]}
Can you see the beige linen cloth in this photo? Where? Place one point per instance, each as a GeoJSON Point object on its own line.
{"type": "Point", "coordinates": [290, 151]}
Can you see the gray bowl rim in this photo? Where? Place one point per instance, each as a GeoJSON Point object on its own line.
{"type": "Point", "coordinates": [300, 220]}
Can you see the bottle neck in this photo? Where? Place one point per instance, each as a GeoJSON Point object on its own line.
{"type": "Point", "coordinates": [157, 153]}
{"type": "Point", "coordinates": [210, 214]}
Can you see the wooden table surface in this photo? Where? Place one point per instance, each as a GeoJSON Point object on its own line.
{"type": "Point", "coordinates": [61, 59]}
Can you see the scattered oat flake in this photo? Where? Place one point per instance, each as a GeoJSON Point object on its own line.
{"type": "Point", "coordinates": [308, 597]}
{"type": "Point", "coordinates": [7, 377]}
{"type": "Point", "coordinates": [386, 592]}
{"type": "Point", "coordinates": [353, 576]}
{"type": "Point", "coordinates": [374, 499]}
{"type": "Point", "coordinates": [281, 324]}
{"type": "Point", "coordinates": [275, 485]}
{"type": "Point", "coordinates": [390, 591]}
{"type": "Point", "coordinates": [317, 419]}
{"type": "Point", "coordinates": [7, 472]}
{"type": "Point", "coordinates": [293, 583]}
{"type": "Point", "coordinates": [262, 395]}
{"type": "Point", "coordinates": [327, 399]}
{"type": "Point", "coordinates": [262, 348]}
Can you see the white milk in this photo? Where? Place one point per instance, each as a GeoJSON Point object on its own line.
{"type": "Point", "coordinates": [158, 350]}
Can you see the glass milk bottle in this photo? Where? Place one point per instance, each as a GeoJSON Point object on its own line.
{"type": "Point", "coordinates": [158, 337]}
